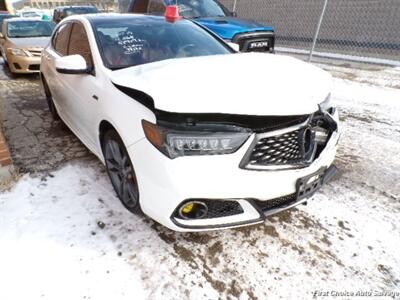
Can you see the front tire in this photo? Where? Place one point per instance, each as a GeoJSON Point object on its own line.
{"type": "Point", "coordinates": [50, 101]}
{"type": "Point", "coordinates": [120, 170]}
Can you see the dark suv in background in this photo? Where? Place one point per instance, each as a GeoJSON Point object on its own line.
{"type": "Point", "coordinates": [65, 11]}
{"type": "Point", "coordinates": [249, 35]}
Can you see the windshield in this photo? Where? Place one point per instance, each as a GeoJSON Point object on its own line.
{"type": "Point", "coordinates": [30, 14]}
{"type": "Point", "coordinates": [199, 8]}
{"type": "Point", "coordinates": [80, 10]}
{"type": "Point", "coordinates": [133, 41]}
{"type": "Point", "coordinates": [25, 29]}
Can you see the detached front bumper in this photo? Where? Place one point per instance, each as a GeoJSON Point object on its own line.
{"type": "Point", "coordinates": [165, 184]}
{"type": "Point", "coordinates": [23, 64]}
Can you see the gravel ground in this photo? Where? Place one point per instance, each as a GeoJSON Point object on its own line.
{"type": "Point", "coordinates": [37, 143]}
{"type": "Point", "coordinates": [65, 235]}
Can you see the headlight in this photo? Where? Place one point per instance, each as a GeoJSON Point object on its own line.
{"type": "Point", "coordinates": [17, 52]}
{"type": "Point", "coordinates": [326, 105]}
{"type": "Point", "coordinates": [207, 140]}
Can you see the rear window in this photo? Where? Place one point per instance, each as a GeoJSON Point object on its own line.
{"type": "Point", "coordinates": [80, 11]}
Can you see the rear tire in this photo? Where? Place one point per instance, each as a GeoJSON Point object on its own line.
{"type": "Point", "coordinates": [120, 170]}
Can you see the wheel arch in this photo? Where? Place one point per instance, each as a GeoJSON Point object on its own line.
{"type": "Point", "coordinates": [104, 126]}
{"type": "Point", "coordinates": [44, 84]}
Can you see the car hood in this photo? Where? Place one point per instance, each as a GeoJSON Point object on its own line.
{"type": "Point", "coordinates": [228, 27]}
{"type": "Point", "coordinates": [245, 84]}
{"type": "Point", "coordinates": [34, 42]}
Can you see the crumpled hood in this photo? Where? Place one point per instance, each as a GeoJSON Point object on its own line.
{"type": "Point", "coordinates": [228, 27]}
{"type": "Point", "coordinates": [34, 42]}
{"type": "Point", "coordinates": [246, 84]}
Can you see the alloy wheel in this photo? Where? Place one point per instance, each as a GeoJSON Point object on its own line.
{"type": "Point", "coordinates": [121, 174]}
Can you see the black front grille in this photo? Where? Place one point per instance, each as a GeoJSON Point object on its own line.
{"type": "Point", "coordinates": [276, 203]}
{"type": "Point", "coordinates": [35, 52]}
{"type": "Point", "coordinates": [34, 67]}
{"type": "Point", "coordinates": [216, 208]}
{"type": "Point", "coordinates": [296, 146]}
{"type": "Point", "coordinates": [277, 150]}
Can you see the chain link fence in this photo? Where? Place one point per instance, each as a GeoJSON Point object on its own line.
{"type": "Point", "coordinates": [365, 29]}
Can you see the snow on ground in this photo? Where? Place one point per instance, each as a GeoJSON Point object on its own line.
{"type": "Point", "coordinates": [66, 236]}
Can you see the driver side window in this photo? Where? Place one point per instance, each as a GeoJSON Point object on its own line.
{"type": "Point", "coordinates": [156, 7]}
{"type": "Point", "coordinates": [140, 6]}
{"type": "Point", "coordinates": [79, 43]}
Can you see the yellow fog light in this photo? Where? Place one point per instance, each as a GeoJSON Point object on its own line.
{"type": "Point", "coordinates": [193, 210]}
{"type": "Point", "coordinates": [188, 208]}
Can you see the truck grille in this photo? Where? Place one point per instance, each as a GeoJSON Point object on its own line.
{"type": "Point", "coordinates": [255, 41]}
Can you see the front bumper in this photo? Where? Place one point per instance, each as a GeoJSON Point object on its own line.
{"type": "Point", "coordinates": [23, 64]}
{"type": "Point", "coordinates": [164, 184]}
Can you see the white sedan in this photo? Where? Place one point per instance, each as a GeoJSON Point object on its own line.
{"type": "Point", "coordinates": [192, 133]}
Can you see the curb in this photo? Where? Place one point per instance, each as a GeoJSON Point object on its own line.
{"type": "Point", "coordinates": [6, 164]}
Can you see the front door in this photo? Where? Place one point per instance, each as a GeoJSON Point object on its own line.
{"type": "Point", "coordinates": [81, 102]}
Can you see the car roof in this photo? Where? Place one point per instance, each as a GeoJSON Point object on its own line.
{"type": "Point", "coordinates": [73, 6]}
{"type": "Point", "coordinates": [118, 16]}
{"type": "Point", "coordinates": [18, 19]}
{"type": "Point", "coordinates": [30, 10]}
{"type": "Point", "coordinates": [94, 19]}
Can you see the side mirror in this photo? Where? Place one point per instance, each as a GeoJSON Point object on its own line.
{"type": "Point", "coordinates": [72, 64]}
{"type": "Point", "coordinates": [234, 46]}
{"type": "Point", "coordinates": [234, 14]}
{"type": "Point", "coordinates": [1, 36]}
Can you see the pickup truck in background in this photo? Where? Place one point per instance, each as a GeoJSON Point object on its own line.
{"type": "Point", "coordinates": [251, 36]}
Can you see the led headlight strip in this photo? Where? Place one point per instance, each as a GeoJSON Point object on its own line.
{"type": "Point", "coordinates": [174, 143]}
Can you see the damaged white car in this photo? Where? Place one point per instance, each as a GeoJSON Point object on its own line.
{"type": "Point", "coordinates": [193, 134]}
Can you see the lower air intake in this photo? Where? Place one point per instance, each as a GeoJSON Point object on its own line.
{"type": "Point", "coordinates": [276, 203]}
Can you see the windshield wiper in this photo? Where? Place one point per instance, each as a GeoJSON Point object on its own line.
{"type": "Point", "coordinates": [217, 16]}
{"type": "Point", "coordinates": [118, 68]}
